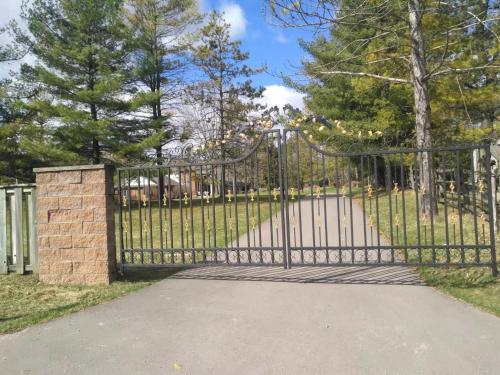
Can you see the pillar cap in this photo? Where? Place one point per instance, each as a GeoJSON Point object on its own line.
{"type": "Point", "coordinates": [73, 168]}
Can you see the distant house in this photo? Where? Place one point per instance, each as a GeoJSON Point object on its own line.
{"type": "Point", "coordinates": [174, 186]}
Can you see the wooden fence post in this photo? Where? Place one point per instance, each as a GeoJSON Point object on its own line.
{"type": "Point", "coordinates": [32, 230]}
{"type": "Point", "coordinates": [17, 229]}
{"type": "Point", "coordinates": [4, 268]}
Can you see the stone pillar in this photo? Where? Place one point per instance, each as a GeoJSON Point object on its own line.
{"type": "Point", "coordinates": [76, 225]}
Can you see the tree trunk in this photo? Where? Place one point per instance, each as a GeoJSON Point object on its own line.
{"type": "Point", "coordinates": [96, 150]}
{"type": "Point", "coordinates": [159, 151]}
{"type": "Point", "coordinates": [422, 103]}
{"type": "Point", "coordinates": [222, 129]}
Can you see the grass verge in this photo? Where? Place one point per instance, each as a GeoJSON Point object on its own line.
{"type": "Point", "coordinates": [24, 301]}
{"type": "Point", "coordinates": [184, 226]}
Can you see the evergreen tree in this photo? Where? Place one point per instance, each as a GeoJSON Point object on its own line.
{"type": "Point", "coordinates": [83, 72]}
{"type": "Point", "coordinates": [16, 163]}
{"type": "Point", "coordinates": [225, 87]}
{"type": "Point", "coordinates": [417, 43]}
{"type": "Point", "coordinates": [160, 40]}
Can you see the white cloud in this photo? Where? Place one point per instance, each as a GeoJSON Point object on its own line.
{"type": "Point", "coordinates": [278, 95]}
{"type": "Point", "coordinates": [235, 16]}
{"type": "Point", "coordinates": [280, 38]}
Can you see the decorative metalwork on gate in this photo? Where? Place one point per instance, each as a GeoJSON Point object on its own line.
{"type": "Point", "coordinates": [376, 207]}
{"type": "Point", "coordinates": [287, 201]}
{"type": "Point", "coordinates": [192, 212]}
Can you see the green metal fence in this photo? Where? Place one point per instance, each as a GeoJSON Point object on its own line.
{"type": "Point", "coordinates": [18, 249]}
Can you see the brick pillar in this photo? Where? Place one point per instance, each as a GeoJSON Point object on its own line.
{"type": "Point", "coordinates": [76, 225]}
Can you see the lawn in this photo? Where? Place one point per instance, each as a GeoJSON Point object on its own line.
{"type": "Point", "coordinates": [474, 285]}
{"type": "Point", "coordinates": [192, 225]}
{"type": "Point", "coordinates": [24, 301]}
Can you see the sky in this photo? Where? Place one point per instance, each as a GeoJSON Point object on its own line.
{"type": "Point", "coordinates": [276, 48]}
{"type": "Point", "coordinates": [267, 45]}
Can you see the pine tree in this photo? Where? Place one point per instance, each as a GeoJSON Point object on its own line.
{"type": "Point", "coordinates": [225, 87]}
{"type": "Point", "coordinates": [160, 40]}
{"type": "Point", "coordinates": [83, 71]}
{"type": "Point", "coordinates": [415, 43]}
{"type": "Point", "coordinates": [16, 163]}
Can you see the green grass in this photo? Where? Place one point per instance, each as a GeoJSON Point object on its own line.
{"type": "Point", "coordinates": [175, 233]}
{"type": "Point", "coordinates": [474, 284]}
{"type": "Point", "coordinates": [24, 301]}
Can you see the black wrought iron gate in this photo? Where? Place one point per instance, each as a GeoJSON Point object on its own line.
{"type": "Point", "coordinates": [287, 201]}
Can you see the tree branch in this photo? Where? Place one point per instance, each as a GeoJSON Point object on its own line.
{"type": "Point", "coordinates": [362, 74]}
{"type": "Point", "coordinates": [462, 70]}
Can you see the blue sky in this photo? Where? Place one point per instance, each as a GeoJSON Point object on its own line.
{"type": "Point", "coordinates": [269, 45]}
{"type": "Point", "coordinates": [275, 47]}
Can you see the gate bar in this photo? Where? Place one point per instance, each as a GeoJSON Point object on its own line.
{"type": "Point", "coordinates": [494, 268]}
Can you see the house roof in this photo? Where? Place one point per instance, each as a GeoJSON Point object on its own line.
{"type": "Point", "coordinates": [144, 181]}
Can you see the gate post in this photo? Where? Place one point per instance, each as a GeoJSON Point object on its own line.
{"type": "Point", "coordinates": [76, 225]}
{"type": "Point", "coordinates": [284, 174]}
{"type": "Point", "coordinates": [284, 197]}
{"type": "Point", "coordinates": [487, 161]}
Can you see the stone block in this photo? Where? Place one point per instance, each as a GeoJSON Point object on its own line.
{"type": "Point", "coordinates": [91, 201]}
{"type": "Point", "coordinates": [59, 190]}
{"type": "Point", "coordinates": [43, 242]}
{"type": "Point", "coordinates": [93, 279]}
{"type": "Point", "coordinates": [96, 254]}
{"type": "Point", "coordinates": [69, 177]}
{"type": "Point", "coordinates": [60, 216]}
{"type": "Point", "coordinates": [46, 178]}
{"type": "Point", "coordinates": [42, 216]}
{"type": "Point", "coordinates": [90, 240]}
{"type": "Point", "coordinates": [60, 242]}
{"type": "Point", "coordinates": [71, 216]}
{"type": "Point", "coordinates": [103, 214]}
{"type": "Point", "coordinates": [95, 228]}
{"type": "Point", "coordinates": [48, 256]}
{"type": "Point", "coordinates": [47, 203]}
{"type": "Point", "coordinates": [102, 266]}
{"type": "Point", "coordinates": [44, 267]}
{"type": "Point", "coordinates": [71, 228]}
{"type": "Point", "coordinates": [91, 189]}
{"type": "Point", "coordinates": [71, 202]}
{"type": "Point", "coordinates": [91, 176]}
{"type": "Point", "coordinates": [75, 255]}
{"type": "Point", "coordinates": [45, 229]}
{"type": "Point", "coordinates": [62, 267]}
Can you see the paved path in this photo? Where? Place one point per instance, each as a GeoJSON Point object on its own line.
{"type": "Point", "coordinates": [243, 320]}
{"type": "Point", "coordinates": [236, 320]}
{"type": "Point", "coordinates": [308, 220]}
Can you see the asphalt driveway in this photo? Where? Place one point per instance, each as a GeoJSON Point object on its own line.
{"type": "Point", "coordinates": [246, 320]}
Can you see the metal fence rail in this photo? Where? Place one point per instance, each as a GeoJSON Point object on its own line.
{"type": "Point", "coordinates": [18, 248]}
{"type": "Point", "coordinates": [369, 207]}
{"type": "Point", "coordinates": [287, 201]}
{"type": "Point", "coordinates": [192, 213]}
